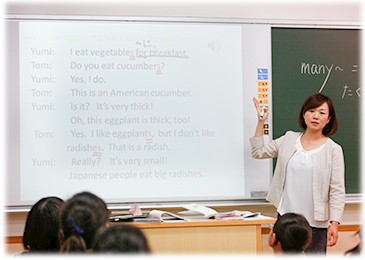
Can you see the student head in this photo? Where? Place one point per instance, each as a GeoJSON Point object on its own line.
{"type": "Point", "coordinates": [357, 251]}
{"type": "Point", "coordinates": [120, 239]}
{"type": "Point", "coordinates": [315, 101]}
{"type": "Point", "coordinates": [291, 234]}
{"type": "Point", "coordinates": [81, 217]}
{"type": "Point", "coordinates": [42, 228]}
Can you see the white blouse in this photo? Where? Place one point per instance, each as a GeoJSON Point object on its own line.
{"type": "Point", "coordinates": [298, 187]}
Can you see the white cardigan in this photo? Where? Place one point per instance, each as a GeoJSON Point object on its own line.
{"type": "Point", "coordinates": [328, 174]}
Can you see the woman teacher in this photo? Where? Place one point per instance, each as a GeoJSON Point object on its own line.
{"type": "Point", "coordinates": [309, 173]}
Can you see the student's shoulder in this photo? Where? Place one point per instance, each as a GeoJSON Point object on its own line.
{"type": "Point", "coordinates": [16, 257]}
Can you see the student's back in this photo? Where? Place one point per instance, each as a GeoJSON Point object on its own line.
{"type": "Point", "coordinates": [291, 234]}
{"type": "Point", "coordinates": [358, 252]}
{"type": "Point", "coordinates": [120, 239]}
{"type": "Point", "coordinates": [42, 228]}
{"type": "Point", "coordinates": [81, 217]}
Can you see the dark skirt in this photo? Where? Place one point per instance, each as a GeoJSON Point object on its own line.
{"type": "Point", "coordinates": [318, 245]}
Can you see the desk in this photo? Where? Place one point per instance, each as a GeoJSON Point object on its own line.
{"type": "Point", "coordinates": [205, 236]}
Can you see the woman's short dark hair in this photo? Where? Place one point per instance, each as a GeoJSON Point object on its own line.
{"type": "Point", "coordinates": [81, 217]}
{"type": "Point", "coordinates": [293, 232]}
{"type": "Point", "coordinates": [315, 101]}
{"type": "Point", "coordinates": [120, 239]}
{"type": "Point", "coordinates": [42, 228]}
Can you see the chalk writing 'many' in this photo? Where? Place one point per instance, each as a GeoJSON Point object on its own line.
{"type": "Point", "coordinates": [307, 68]}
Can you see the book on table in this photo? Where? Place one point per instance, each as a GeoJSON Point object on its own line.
{"type": "Point", "coordinates": [196, 209]}
{"type": "Point", "coordinates": [166, 216]}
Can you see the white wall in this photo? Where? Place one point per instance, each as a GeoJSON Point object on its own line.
{"type": "Point", "coordinates": [259, 9]}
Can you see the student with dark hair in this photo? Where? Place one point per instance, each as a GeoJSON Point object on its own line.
{"type": "Point", "coordinates": [120, 239]}
{"type": "Point", "coordinates": [309, 172]}
{"type": "Point", "coordinates": [81, 217]}
{"type": "Point", "coordinates": [42, 228]}
{"type": "Point", "coordinates": [291, 234]}
{"type": "Point", "coordinates": [358, 252]}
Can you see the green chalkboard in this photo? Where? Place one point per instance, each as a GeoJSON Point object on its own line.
{"type": "Point", "coordinates": [308, 61]}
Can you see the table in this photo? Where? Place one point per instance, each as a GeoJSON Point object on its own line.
{"type": "Point", "coordinates": [202, 236]}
